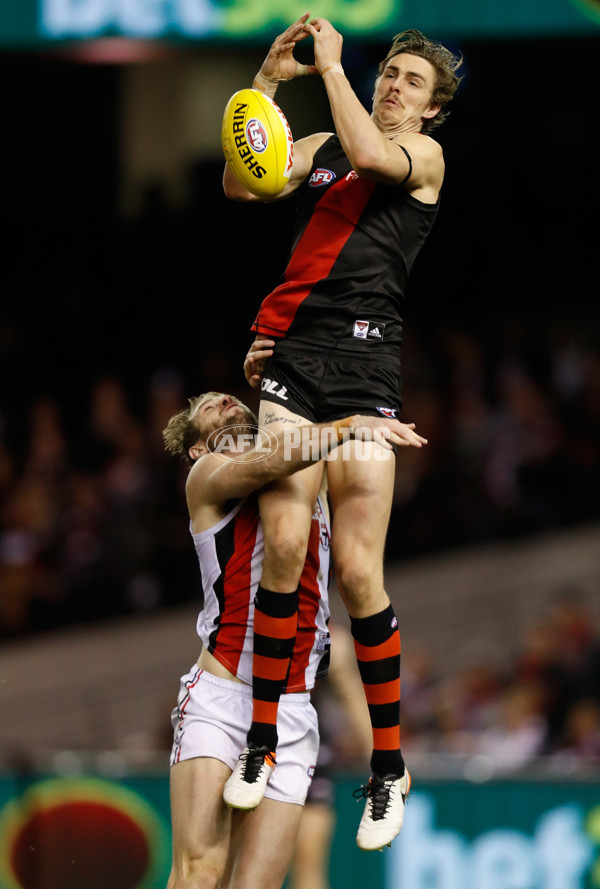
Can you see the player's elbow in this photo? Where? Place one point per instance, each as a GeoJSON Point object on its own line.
{"type": "Point", "coordinates": [369, 164]}
{"type": "Point", "coordinates": [237, 193]}
{"type": "Point", "coordinates": [375, 174]}
{"type": "Point", "coordinates": [233, 188]}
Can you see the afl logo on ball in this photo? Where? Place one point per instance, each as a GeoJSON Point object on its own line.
{"type": "Point", "coordinates": [321, 176]}
{"type": "Point", "coordinates": [256, 135]}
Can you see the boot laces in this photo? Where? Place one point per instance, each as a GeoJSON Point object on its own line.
{"type": "Point", "coordinates": [379, 791]}
{"type": "Point", "coordinates": [254, 759]}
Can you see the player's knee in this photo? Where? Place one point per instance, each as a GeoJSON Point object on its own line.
{"type": "Point", "coordinates": [352, 579]}
{"type": "Point", "coordinates": [285, 546]}
{"type": "Point", "coordinates": [360, 585]}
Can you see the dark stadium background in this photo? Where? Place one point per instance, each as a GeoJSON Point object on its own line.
{"type": "Point", "coordinates": [506, 291]}
{"type": "Point", "coordinates": [113, 311]}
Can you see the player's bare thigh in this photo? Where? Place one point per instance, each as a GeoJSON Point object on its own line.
{"type": "Point", "coordinates": [271, 829]}
{"type": "Point", "coordinates": [310, 865]}
{"type": "Point", "coordinates": [200, 819]}
{"type": "Point", "coordinates": [361, 486]}
{"type": "Point", "coordinates": [286, 508]}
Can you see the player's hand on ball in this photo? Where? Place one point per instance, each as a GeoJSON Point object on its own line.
{"type": "Point", "coordinates": [255, 360]}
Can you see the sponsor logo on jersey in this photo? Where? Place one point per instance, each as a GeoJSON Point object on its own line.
{"type": "Point", "coordinates": [321, 176]}
{"type": "Point", "coordinates": [272, 387]}
{"type": "Point", "coordinates": [389, 412]}
{"type": "Point", "coordinates": [368, 330]}
{"type": "Point", "coordinates": [257, 135]}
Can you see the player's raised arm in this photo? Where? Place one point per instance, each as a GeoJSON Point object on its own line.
{"type": "Point", "coordinates": [403, 101]}
{"type": "Point", "coordinates": [238, 468]}
{"type": "Point", "coordinates": [278, 67]}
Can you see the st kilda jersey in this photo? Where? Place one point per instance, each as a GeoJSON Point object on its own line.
{"type": "Point", "coordinates": [231, 558]}
{"type": "Point", "coordinates": [355, 242]}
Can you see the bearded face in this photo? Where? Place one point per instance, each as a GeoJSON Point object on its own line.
{"type": "Point", "coordinates": [227, 414]}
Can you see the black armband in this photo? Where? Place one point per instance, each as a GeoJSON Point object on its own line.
{"type": "Point", "coordinates": [409, 158]}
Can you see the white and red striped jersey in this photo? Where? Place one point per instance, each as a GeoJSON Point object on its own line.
{"type": "Point", "coordinates": [231, 556]}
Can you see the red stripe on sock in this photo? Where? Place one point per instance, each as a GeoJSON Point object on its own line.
{"type": "Point", "coordinates": [389, 648]}
{"type": "Point", "coordinates": [383, 693]}
{"type": "Point", "coordinates": [386, 738]}
{"type": "Point", "coordinates": [269, 667]}
{"type": "Point", "coordinates": [275, 627]}
{"type": "Point", "coordinates": [265, 711]}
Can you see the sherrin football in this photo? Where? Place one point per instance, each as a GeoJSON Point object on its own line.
{"type": "Point", "coordinates": [257, 142]}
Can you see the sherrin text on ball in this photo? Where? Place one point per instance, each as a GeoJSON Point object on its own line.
{"type": "Point", "coordinates": [257, 142]}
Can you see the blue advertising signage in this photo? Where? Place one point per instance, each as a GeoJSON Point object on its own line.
{"type": "Point", "coordinates": [501, 834]}
{"type": "Point", "coordinates": [35, 22]}
{"type": "Point", "coordinates": [533, 842]}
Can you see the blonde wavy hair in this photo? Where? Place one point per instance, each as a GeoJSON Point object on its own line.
{"type": "Point", "coordinates": [183, 431]}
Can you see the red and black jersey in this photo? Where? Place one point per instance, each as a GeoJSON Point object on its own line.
{"type": "Point", "coordinates": [355, 242]}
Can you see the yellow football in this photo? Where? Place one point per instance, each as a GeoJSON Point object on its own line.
{"type": "Point", "coordinates": [257, 142]}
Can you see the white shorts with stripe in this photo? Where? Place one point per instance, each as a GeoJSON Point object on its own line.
{"type": "Point", "coordinates": [212, 718]}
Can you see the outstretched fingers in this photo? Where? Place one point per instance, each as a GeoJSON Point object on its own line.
{"type": "Point", "coordinates": [407, 436]}
{"type": "Point", "coordinates": [280, 64]}
{"type": "Point", "coordinates": [290, 37]}
{"type": "Point", "coordinates": [387, 432]}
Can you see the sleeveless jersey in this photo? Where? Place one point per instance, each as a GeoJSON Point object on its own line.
{"type": "Point", "coordinates": [354, 244]}
{"type": "Point", "coordinates": [231, 556]}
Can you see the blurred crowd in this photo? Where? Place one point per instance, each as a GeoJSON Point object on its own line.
{"type": "Point", "coordinates": [93, 527]}
{"type": "Point", "coordinates": [92, 516]}
{"type": "Point", "coordinates": [513, 423]}
{"type": "Point", "coordinates": [93, 524]}
{"type": "Point", "coordinates": [540, 708]}
{"type": "Point", "coordinates": [537, 711]}
{"type": "Point", "coordinates": [129, 323]}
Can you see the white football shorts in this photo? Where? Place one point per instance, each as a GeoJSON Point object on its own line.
{"type": "Point", "coordinates": [212, 718]}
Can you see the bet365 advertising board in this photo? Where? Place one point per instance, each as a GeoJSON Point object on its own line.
{"type": "Point", "coordinates": [511, 834]}
{"type": "Point", "coordinates": [90, 832]}
{"type": "Point", "coordinates": [34, 22]}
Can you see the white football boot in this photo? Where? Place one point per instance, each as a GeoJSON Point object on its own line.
{"type": "Point", "coordinates": [384, 812]}
{"type": "Point", "coordinates": [245, 787]}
